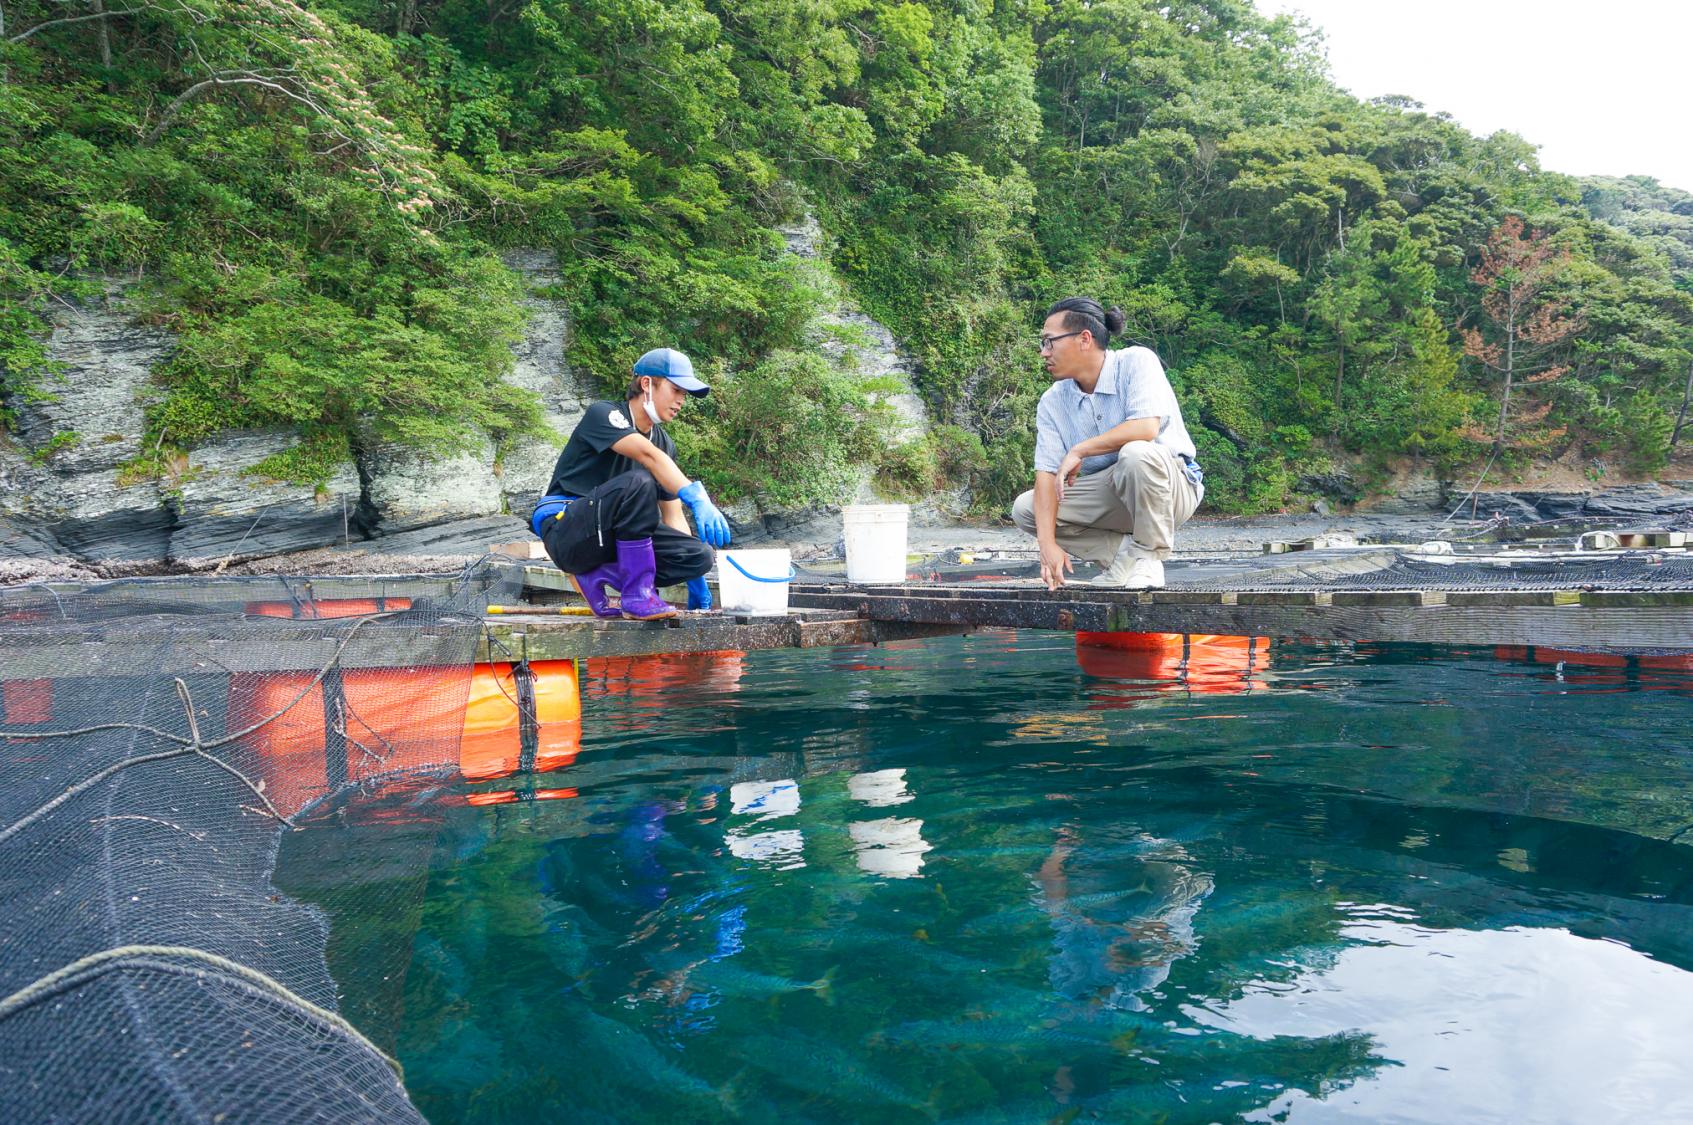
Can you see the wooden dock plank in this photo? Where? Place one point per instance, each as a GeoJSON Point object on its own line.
{"type": "Point", "coordinates": [107, 653]}
{"type": "Point", "coordinates": [948, 608]}
{"type": "Point", "coordinates": [1500, 599]}
{"type": "Point", "coordinates": [1554, 618]}
{"type": "Point", "coordinates": [1386, 598]}
{"type": "Point", "coordinates": [552, 638]}
{"type": "Point", "coordinates": [100, 651]}
{"type": "Point", "coordinates": [838, 614]}
{"type": "Point", "coordinates": [1574, 627]}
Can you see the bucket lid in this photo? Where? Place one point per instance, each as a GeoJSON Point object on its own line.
{"type": "Point", "coordinates": [876, 511]}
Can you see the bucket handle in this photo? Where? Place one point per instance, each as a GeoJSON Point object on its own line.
{"type": "Point", "coordinates": [792, 573]}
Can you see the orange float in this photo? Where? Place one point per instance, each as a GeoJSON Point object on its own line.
{"type": "Point", "coordinates": [1609, 670]}
{"type": "Point", "coordinates": [1202, 663]}
{"type": "Point", "coordinates": [1670, 662]}
{"type": "Point", "coordinates": [326, 609]}
{"type": "Point", "coordinates": [358, 724]}
{"type": "Point", "coordinates": [27, 702]}
{"type": "Point", "coordinates": [517, 797]}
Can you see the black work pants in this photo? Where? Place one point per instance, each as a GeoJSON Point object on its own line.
{"type": "Point", "coordinates": [624, 507]}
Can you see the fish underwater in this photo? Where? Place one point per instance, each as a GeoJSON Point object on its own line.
{"type": "Point", "coordinates": [1021, 1034]}
{"type": "Point", "coordinates": [818, 1067]}
{"type": "Point", "coordinates": [731, 980]}
{"type": "Point", "coordinates": [623, 1056]}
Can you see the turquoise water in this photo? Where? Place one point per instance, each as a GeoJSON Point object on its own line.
{"type": "Point", "coordinates": [974, 880]}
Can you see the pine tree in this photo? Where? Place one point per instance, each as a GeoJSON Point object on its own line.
{"type": "Point", "coordinates": [1529, 323]}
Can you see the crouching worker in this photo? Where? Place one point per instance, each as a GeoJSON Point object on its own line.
{"type": "Point", "coordinates": [1115, 473]}
{"type": "Point", "coordinates": [612, 516]}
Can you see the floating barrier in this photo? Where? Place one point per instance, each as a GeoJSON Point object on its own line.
{"type": "Point", "coordinates": [1608, 671]}
{"type": "Point", "coordinates": [518, 796]}
{"type": "Point", "coordinates": [1671, 662]}
{"type": "Point", "coordinates": [326, 609]}
{"type": "Point", "coordinates": [1204, 663]}
{"type": "Point", "coordinates": [357, 724]}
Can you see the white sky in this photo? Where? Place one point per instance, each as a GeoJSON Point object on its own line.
{"type": "Point", "coordinates": [1600, 85]}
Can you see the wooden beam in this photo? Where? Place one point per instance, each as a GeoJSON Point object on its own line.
{"type": "Point", "coordinates": [1645, 620]}
{"type": "Point", "coordinates": [552, 638]}
{"type": "Point", "coordinates": [288, 647]}
{"type": "Point", "coordinates": [103, 653]}
{"type": "Point", "coordinates": [1573, 627]}
{"type": "Point", "coordinates": [949, 607]}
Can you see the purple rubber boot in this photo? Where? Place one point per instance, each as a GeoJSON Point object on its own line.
{"type": "Point", "coordinates": [592, 587]}
{"type": "Point", "coordinates": [640, 600]}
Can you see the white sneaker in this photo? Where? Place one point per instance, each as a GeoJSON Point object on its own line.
{"type": "Point", "coordinates": [1134, 568]}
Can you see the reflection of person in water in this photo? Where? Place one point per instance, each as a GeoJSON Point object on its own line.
{"type": "Point", "coordinates": [641, 878]}
{"type": "Point", "coordinates": [1113, 944]}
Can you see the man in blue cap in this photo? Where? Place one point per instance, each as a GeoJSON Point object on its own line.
{"type": "Point", "coordinates": [612, 515]}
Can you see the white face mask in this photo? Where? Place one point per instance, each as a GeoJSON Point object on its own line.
{"type": "Point", "coordinates": [647, 405]}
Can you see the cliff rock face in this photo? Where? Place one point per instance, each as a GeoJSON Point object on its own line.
{"type": "Point", "coordinates": [408, 492]}
{"type": "Point", "coordinates": [220, 509]}
{"type": "Point", "coordinates": [860, 346]}
{"type": "Point", "coordinates": [526, 469]}
{"type": "Point", "coordinates": [59, 477]}
{"type": "Point", "coordinates": [853, 341]}
{"type": "Point", "coordinates": [59, 490]}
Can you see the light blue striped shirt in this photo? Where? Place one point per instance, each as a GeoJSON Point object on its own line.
{"type": "Point", "coordinates": [1132, 384]}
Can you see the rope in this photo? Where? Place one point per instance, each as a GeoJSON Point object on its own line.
{"type": "Point", "coordinates": [189, 746]}
{"type": "Point", "coordinates": [193, 745]}
{"type": "Point", "coordinates": [226, 559]}
{"type": "Point", "coordinates": [60, 602]}
{"type": "Point", "coordinates": [87, 968]}
{"type": "Point", "coordinates": [532, 714]}
{"type": "Point", "coordinates": [1472, 490]}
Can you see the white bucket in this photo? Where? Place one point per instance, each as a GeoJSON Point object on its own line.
{"type": "Point", "coordinates": [875, 542]}
{"type": "Point", "coordinates": [754, 581]}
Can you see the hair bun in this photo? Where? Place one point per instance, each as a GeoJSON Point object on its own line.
{"type": "Point", "coordinates": [1114, 320]}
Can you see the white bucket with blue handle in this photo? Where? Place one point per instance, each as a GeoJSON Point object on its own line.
{"type": "Point", "coordinates": [754, 581]}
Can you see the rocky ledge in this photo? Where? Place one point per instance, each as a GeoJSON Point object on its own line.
{"type": "Point", "coordinates": [62, 492]}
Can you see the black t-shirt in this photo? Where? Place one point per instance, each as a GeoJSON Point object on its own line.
{"type": "Point", "coordinates": [588, 461]}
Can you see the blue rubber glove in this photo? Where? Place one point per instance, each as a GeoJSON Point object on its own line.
{"type": "Point", "coordinates": [699, 593]}
{"type": "Point", "coordinates": [713, 528]}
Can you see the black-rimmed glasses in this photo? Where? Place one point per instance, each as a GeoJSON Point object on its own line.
{"type": "Point", "coordinates": [1046, 342]}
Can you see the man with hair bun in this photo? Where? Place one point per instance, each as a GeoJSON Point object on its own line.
{"type": "Point", "coordinates": [1115, 473]}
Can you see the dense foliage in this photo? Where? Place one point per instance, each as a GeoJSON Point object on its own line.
{"type": "Point", "coordinates": [316, 196]}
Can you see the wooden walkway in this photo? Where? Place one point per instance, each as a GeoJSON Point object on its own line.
{"type": "Point", "coordinates": [1237, 598]}
{"type": "Point", "coordinates": [548, 637]}
{"type": "Point", "coordinates": [1333, 595]}
{"type": "Point", "coordinates": [1572, 619]}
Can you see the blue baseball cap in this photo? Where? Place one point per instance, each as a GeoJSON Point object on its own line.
{"type": "Point", "coordinates": [668, 363]}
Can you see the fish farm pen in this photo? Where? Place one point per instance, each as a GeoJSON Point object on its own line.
{"type": "Point", "coordinates": [426, 847]}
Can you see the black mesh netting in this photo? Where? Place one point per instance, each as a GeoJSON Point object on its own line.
{"type": "Point", "coordinates": [155, 735]}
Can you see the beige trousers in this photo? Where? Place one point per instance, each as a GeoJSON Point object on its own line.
{"type": "Point", "coordinates": [1145, 495]}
